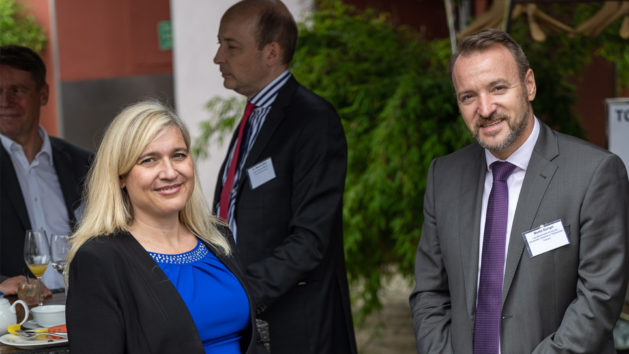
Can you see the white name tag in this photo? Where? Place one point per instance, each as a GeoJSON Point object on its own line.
{"type": "Point", "coordinates": [261, 173]}
{"type": "Point", "coordinates": [545, 238]}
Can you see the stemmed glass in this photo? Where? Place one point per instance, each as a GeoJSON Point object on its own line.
{"type": "Point", "coordinates": [37, 256]}
{"type": "Point", "coordinates": [59, 247]}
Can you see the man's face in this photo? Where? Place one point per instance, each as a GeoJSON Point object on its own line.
{"type": "Point", "coordinates": [242, 64]}
{"type": "Point", "coordinates": [494, 102]}
{"type": "Point", "coordinates": [20, 103]}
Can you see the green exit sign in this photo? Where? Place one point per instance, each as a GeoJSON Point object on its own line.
{"type": "Point", "coordinates": [165, 35]}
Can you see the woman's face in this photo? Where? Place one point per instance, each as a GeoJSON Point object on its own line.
{"type": "Point", "coordinates": [162, 180]}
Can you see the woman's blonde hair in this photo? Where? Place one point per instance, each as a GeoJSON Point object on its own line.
{"type": "Point", "coordinates": [108, 208]}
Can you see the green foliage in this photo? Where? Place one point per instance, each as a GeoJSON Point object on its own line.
{"type": "Point", "coordinates": [399, 112]}
{"type": "Point", "coordinates": [224, 114]}
{"type": "Point", "coordinates": [16, 27]}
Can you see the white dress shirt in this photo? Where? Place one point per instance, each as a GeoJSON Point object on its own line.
{"type": "Point", "coordinates": [42, 194]}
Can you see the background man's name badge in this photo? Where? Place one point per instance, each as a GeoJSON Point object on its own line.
{"type": "Point", "coordinates": [545, 238]}
{"type": "Point", "coordinates": [261, 173]}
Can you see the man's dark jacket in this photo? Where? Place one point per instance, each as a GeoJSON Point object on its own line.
{"type": "Point", "coordinates": [289, 229]}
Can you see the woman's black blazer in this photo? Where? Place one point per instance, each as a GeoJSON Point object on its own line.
{"type": "Point", "coordinates": [120, 301]}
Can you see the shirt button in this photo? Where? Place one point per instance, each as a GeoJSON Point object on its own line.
{"type": "Point", "coordinates": [35, 199]}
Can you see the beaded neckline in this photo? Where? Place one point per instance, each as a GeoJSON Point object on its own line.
{"type": "Point", "coordinates": [194, 255]}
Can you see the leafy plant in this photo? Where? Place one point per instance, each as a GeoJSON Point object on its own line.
{"type": "Point", "coordinates": [17, 27]}
{"type": "Point", "coordinates": [394, 98]}
{"type": "Point", "coordinates": [225, 113]}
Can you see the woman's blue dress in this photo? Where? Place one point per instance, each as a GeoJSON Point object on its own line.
{"type": "Point", "coordinates": [214, 296]}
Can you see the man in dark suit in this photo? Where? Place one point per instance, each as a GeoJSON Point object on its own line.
{"type": "Point", "coordinates": [527, 255]}
{"type": "Point", "coordinates": [281, 186]}
{"type": "Point", "coordinates": [41, 177]}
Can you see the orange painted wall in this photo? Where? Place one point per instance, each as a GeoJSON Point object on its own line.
{"type": "Point", "coordinates": [100, 40]}
{"type": "Point", "coordinates": [113, 38]}
{"type": "Point", "coordinates": [40, 10]}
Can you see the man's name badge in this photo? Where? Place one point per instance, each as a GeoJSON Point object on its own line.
{"type": "Point", "coordinates": [261, 173]}
{"type": "Point", "coordinates": [545, 238]}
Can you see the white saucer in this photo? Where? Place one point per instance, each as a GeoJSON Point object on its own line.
{"type": "Point", "coordinates": [19, 342]}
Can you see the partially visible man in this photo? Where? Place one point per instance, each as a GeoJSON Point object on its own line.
{"type": "Point", "coordinates": [281, 185]}
{"type": "Point", "coordinates": [524, 242]}
{"type": "Point", "coordinates": [41, 177]}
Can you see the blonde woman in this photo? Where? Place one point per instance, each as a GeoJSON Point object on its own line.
{"type": "Point", "coordinates": [150, 270]}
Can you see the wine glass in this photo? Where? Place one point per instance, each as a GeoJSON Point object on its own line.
{"type": "Point", "coordinates": [59, 247]}
{"type": "Point", "coordinates": [37, 255]}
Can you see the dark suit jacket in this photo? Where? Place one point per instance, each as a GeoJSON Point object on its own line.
{"type": "Point", "coordinates": [120, 301]}
{"type": "Point", "coordinates": [290, 232]}
{"type": "Point", "coordinates": [71, 164]}
{"type": "Point", "coordinates": [563, 301]}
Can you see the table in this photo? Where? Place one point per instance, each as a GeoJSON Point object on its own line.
{"type": "Point", "coordinates": [56, 299]}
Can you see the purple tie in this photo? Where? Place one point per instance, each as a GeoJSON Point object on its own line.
{"type": "Point", "coordinates": [487, 321]}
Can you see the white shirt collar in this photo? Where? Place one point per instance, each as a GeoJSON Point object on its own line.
{"type": "Point", "coordinates": [267, 95]}
{"type": "Point", "coordinates": [46, 150]}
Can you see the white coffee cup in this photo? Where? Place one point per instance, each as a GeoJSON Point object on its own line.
{"type": "Point", "coordinates": [49, 315]}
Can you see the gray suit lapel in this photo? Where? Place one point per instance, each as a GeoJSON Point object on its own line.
{"type": "Point", "coordinates": [470, 206]}
{"type": "Point", "coordinates": [539, 173]}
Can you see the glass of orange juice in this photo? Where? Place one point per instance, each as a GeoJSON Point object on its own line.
{"type": "Point", "coordinates": [37, 255]}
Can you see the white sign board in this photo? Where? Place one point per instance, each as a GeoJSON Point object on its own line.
{"type": "Point", "coordinates": [618, 127]}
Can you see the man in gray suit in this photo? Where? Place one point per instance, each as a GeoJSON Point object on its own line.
{"type": "Point", "coordinates": [527, 255]}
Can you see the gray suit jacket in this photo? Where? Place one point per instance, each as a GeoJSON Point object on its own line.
{"type": "Point", "coordinates": [563, 301]}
